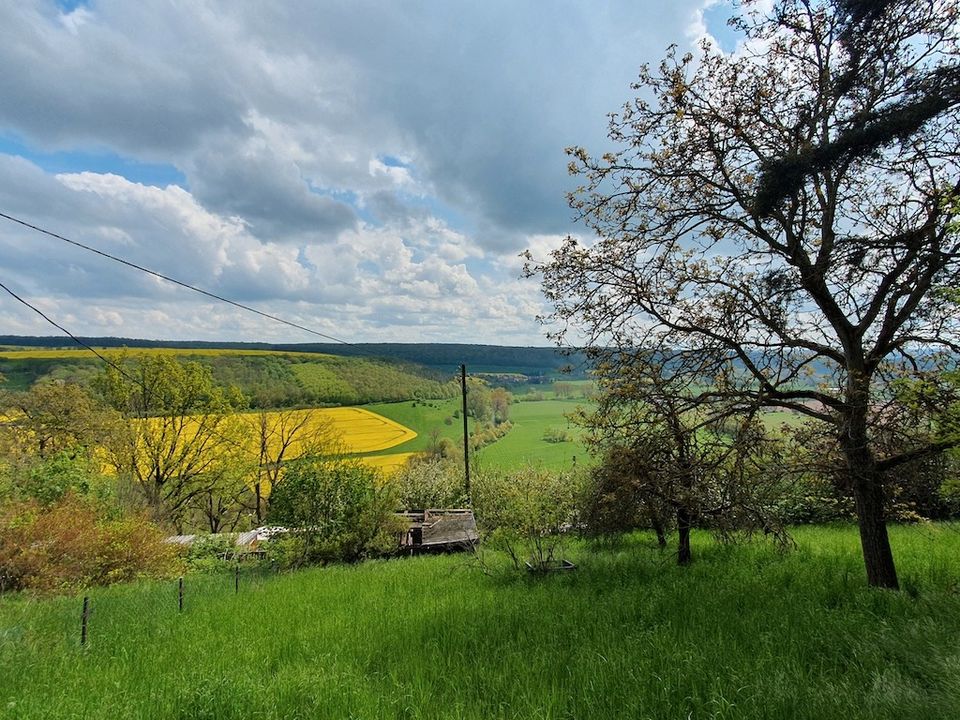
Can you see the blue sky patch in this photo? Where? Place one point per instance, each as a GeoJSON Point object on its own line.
{"type": "Point", "coordinates": [159, 174]}
{"type": "Point", "coordinates": [391, 161]}
{"type": "Point", "coordinates": [68, 6]}
{"type": "Point", "coordinates": [715, 17]}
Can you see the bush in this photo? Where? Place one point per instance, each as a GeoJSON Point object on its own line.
{"type": "Point", "coordinates": [557, 435]}
{"type": "Point", "coordinates": [66, 545]}
{"type": "Point", "coordinates": [337, 510]}
{"type": "Point", "coordinates": [617, 498]}
{"type": "Point", "coordinates": [487, 434]}
{"type": "Point", "coordinates": [430, 482]}
{"type": "Point", "coordinates": [211, 553]}
{"type": "Point", "coordinates": [527, 513]}
{"type": "Point", "coordinates": [48, 480]}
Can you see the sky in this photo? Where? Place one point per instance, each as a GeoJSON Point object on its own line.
{"type": "Point", "coordinates": [371, 170]}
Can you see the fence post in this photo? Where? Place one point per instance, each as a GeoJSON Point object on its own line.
{"type": "Point", "coordinates": [84, 617]}
{"type": "Point", "coordinates": [180, 598]}
{"type": "Point", "coordinates": [236, 578]}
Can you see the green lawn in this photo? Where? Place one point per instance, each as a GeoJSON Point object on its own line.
{"type": "Point", "coordinates": [745, 632]}
{"type": "Point", "coordinates": [775, 419]}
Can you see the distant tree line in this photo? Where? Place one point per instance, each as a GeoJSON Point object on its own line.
{"type": "Point", "coordinates": [446, 356]}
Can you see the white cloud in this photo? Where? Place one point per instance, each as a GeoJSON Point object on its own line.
{"type": "Point", "coordinates": [282, 118]}
{"type": "Point", "coordinates": [75, 19]}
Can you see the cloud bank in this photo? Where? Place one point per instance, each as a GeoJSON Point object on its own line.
{"type": "Point", "coordinates": [367, 169]}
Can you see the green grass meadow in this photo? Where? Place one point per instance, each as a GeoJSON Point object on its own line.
{"type": "Point", "coordinates": [524, 444]}
{"type": "Point", "coordinates": [422, 416]}
{"type": "Point", "coordinates": [745, 632]}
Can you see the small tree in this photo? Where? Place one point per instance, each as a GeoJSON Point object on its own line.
{"type": "Point", "coordinates": [282, 434]}
{"type": "Point", "coordinates": [337, 510]}
{"type": "Point", "coordinates": [618, 498]}
{"type": "Point", "coordinates": [709, 470]}
{"type": "Point", "coordinates": [478, 400]}
{"type": "Point", "coordinates": [527, 513]}
{"type": "Point", "coordinates": [500, 401]}
{"type": "Point", "coordinates": [52, 417]}
{"type": "Point", "coordinates": [433, 481]}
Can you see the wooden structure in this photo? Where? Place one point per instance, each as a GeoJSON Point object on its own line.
{"type": "Point", "coordinates": [439, 530]}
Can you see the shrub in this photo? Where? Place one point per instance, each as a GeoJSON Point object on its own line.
{"type": "Point", "coordinates": [211, 553]}
{"type": "Point", "coordinates": [336, 509]}
{"type": "Point", "coordinates": [487, 434]}
{"type": "Point", "coordinates": [557, 435]}
{"type": "Point", "coordinates": [50, 479]}
{"type": "Point", "coordinates": [617, 498]}
{"type": "Point", "coordinates": [430, 482]}
{"type": "Point", "coordinates": [66, 545]}
{"type": "Point", "coordinates": [527, 513]}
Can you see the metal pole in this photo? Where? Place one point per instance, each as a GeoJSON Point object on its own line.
{"type": "Point", "coordinates": [180, 593]}
{"type": "Point", "coordinates": [466, 432]}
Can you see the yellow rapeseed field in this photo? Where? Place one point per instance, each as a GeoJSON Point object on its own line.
{"type": "Point", "coordinates": [349, 430]}
{"type": "Point", "coordinates": [358, 430]}
{"type": "Point", "coordinates": [388, 464]}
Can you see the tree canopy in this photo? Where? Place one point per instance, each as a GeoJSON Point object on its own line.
{"type": "Point", "coordinates": [777, 224]}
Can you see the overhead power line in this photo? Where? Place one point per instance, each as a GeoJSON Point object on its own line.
{"type": "Point", "coordinates": [104, 358]}
{"type": "Point", "coordinates": [181, 283]}
{"type": "Point", "coordinates": [62, 329]}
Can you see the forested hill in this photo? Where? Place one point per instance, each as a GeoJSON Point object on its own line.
{"type": "Point", "coordinates": [479, 358]}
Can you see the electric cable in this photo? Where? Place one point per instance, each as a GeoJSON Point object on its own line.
{"type": "Point", "coordinates": [183, 284]}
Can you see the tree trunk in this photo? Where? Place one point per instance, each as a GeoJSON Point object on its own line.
{"type": "Point", "coordinates": [661, 535]}
{"type": "Point", "coordinates": [877, 555]}
{"type": "Point", "coordinates": [683, 544]}
{"type": "Point", "coordinates": [656, 522]}
{"type": "Point", "coordinates": [866, 481]}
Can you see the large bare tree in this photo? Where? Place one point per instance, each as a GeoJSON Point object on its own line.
{"type": "Point", "coordinates": [777, 224]}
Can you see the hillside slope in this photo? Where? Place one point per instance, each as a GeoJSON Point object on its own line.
{"type": "Point", "coordinates": [267, 378]}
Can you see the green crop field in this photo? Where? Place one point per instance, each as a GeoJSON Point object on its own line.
{"type": "Point", "coordinates": [525, 442]}
{"type": "Point", "coordinates": [745, 632]}
{"type": "Point", "coordinates": [423, 417]}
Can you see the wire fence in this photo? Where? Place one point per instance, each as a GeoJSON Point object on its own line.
{"type": "Point", "coordinates": [105, 615]}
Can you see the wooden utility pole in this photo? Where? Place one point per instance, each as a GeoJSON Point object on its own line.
{"type": "Point", "coordinates": [466, 433]}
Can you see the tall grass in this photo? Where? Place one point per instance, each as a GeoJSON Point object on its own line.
{"type": "Point", "coordinates": [743, 633]}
